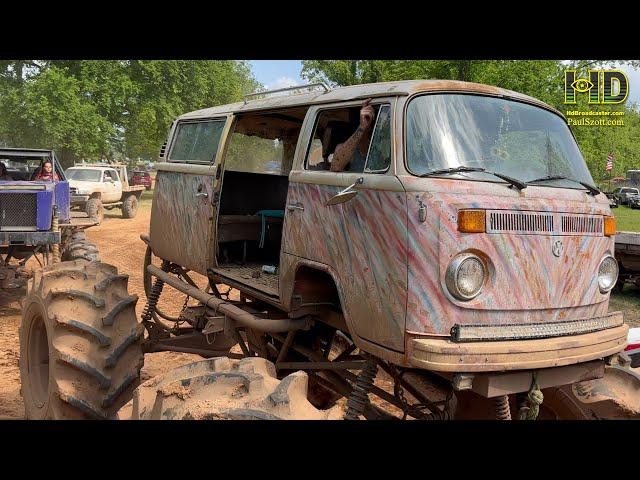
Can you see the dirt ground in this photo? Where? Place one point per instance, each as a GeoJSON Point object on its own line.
{"type": "Point", "coordinates": [119, 243]}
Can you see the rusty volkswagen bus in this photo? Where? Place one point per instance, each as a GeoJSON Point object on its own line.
{"type": "Point", "coordinates": [469, 256]}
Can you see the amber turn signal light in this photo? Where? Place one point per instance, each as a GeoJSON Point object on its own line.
{"type": "Point", "coordinates": [609, 226]}
{"type": "Point", "coordinates": [471, 221]}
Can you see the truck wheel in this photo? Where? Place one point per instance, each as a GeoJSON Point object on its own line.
{"type": "Point", "coordinates": [95, 209]}
{"type": "Point", "coordinates": [130, 207]}
{"type": "Point", "coordinates": [218, 388]}
{"type": "Point", "coordinates": [80, 352]}
{"type": "Point", "coordinates": [77, 247]}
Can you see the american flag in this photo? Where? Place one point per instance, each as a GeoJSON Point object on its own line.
{"type": "Point", "coordinates": [609, 162]}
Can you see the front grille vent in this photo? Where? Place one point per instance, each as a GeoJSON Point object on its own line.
{"type": "Point", "coordinates": [581, 224]}
{"type": "Point", "coordinates": [18, 210]}
{"type": "Point", "coordinates": [517, 222]}
{"type": "Point", "coordinates": [532, 223]}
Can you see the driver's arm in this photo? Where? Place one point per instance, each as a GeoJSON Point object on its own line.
{"type": "Point", "coordinates": [345, 150]}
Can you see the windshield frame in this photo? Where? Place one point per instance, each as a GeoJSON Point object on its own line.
{"type": "Point", "coordinates": [463, 175]}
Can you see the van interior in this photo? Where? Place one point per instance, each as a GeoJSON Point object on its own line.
{"type": "Point", "coordinates": [257, 163]}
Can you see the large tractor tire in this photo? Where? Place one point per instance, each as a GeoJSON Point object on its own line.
{"type": "Point", "coordinates": [95, 209]}
{"type": "Point", "coordinates": [221, 389]}
{"type": "Point", "coordinates": [80, 352]}
{"type": "Point", "coordinates": [77, 247]}
{"type": "Point", "coordinates": [130, 206]}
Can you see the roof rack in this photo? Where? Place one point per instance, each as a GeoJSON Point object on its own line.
{"type": "Point", "coordinates": [309, 86]}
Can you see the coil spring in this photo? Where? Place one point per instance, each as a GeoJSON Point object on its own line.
{"type": "Point", "coordinates": [359, 397]}
{"type": "Point", "coordinates": [55, 249]}
{"type": "Point", "coordinates": [154, 296]}
{"type": "Point", "coordinates": [502, 408]}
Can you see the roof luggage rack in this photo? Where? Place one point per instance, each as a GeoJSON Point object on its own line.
{"type": "Point", "coordinates": [309, 87]}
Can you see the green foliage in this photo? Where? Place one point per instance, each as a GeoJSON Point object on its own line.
{"type": "Point", "coordinates": [110, 109]}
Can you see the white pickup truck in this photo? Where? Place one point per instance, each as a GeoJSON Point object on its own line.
{"type": "Point", "coordinates": [96, 187]}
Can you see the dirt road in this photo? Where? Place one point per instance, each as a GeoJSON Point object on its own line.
{"type": "Point", "coordinates": [119, 243]}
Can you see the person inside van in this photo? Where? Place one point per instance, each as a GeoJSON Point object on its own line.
{"type": "Point", "coordinates": [4, 174]}
{"type": "Point", "coordinates": [351, 154]}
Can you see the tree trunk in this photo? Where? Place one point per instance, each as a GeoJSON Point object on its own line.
{"type": "Point", "coordinates": [66, 158]}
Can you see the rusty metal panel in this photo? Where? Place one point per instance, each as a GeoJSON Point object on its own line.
{"type": "Point", "coordinates": [181, 219]}
{"type": "Point", "coordinates": [528, 283]}
{"type": "Point", "coordinates": [364, 242]}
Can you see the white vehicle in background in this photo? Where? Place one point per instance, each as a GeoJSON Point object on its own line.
{"type": "Point", "coordinates": [99, 186]}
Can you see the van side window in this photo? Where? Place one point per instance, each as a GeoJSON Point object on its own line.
{"type": "Point", "coordinates": [335, 126]}
{"type": "Point", "coordinates": [196, 142]}
{"type": "Point", "coordinates": [379, 157]}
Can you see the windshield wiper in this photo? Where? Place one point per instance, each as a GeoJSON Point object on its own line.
{"type": "Point", "coordinates": [444, 171]}
{"type": "Point", "coordinates": [592, 190]}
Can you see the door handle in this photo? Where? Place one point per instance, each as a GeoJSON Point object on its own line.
{"type": "Point", "coordinates": [202, 194]}
{"type": "Point", "coordinates": [295, 206]}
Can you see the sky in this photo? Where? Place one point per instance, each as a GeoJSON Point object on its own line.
{"type": "Point", "coordinates": [274, 74]}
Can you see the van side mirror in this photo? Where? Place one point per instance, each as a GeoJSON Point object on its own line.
{"type": "Point", "coordinates": [346, 194]}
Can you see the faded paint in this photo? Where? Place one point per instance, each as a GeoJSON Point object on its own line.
{"type": "Point", "coordinates": [527, 282]}
{"type": "Point", "coordinates": [364, 242]}
{"type": "Point", "coordinates": [388, 262]}
{"type": "Point", "coordinates": [181, 221]}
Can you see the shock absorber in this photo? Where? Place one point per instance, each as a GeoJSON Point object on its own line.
{"type": "Point", "coordinates": [502, 408]}
{"type": "Point", "coordinates": [55, 248]}
{"type": "Point", "coordinates": [154, 296]}
{"type": "Point", "coordinates": [359, 398]}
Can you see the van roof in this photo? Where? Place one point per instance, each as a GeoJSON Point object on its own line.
{"type": "Point", "coordinates": [355, 92]}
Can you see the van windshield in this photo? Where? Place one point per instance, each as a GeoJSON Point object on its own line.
{"type": "Point", "coordinates": [522, 141]}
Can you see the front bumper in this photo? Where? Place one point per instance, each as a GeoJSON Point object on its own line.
{"type": "Point", "coordinates": [29, 238]}
{"type": "Point", "coordinates": [444, 355]}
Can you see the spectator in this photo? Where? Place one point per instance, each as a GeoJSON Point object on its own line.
{"type": "Point", "coordinates": [46, 172]}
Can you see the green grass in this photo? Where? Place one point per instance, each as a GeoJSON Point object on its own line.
{"type": "Point", "coordinates": [627, 220]}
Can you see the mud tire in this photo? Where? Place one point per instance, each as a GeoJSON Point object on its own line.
{"type": "Point", "coordinates": [77, 247]}
{"type": "Point", "coordinates": [130, 207]}
{"type": "Point", "coordinates": [222, 389]}
{"type": "Point", "coordinates": [95, 209]}
{"type": "Point", "coordinates": [80, 342]}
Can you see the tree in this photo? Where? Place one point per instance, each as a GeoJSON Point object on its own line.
{"type": "Point", "coordinates": [109, 109]}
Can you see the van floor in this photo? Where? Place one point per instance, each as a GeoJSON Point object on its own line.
{"type": "Point", "coordinates": [246, 274]}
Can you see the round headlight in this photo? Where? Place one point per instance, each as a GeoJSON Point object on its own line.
{"type": "Point", "coordinates": [607, 273]}
{"type": "Point", "coordinates": [465, 276]}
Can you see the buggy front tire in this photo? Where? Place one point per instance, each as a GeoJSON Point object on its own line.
{"type": "Point", "coordinates": [80, 342]}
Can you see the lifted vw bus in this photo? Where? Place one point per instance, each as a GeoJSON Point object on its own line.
{"type": "Point", "coordinates": [470, 258]}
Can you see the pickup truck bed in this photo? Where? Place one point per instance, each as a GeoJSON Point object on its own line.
{"type": "Point", "coordinates": [628, 255]}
